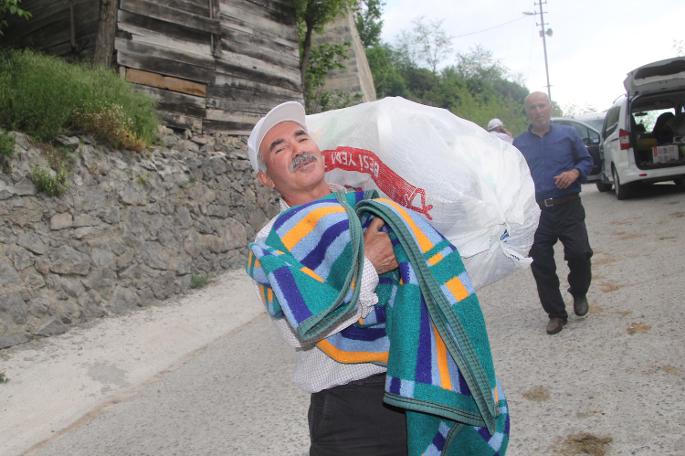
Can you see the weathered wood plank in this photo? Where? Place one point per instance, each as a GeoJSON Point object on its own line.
{"type": "Point", "coordinates": [227, 127]}
{"type": "Point", "coordinates": [224, 84]}
{"type": "Point", "coordinates": [280, 22]}
{"type": "Point", "coordinates": [259, 47]}
{"type": "Point", "coordinates": [179, 103]}
{"type": "Point", "coordinates": [280, 11]}
{"type": "Point", "coordinates": [252, 105]}
{"type": "Point", "coordinates": [236, 18]}
{"type": "Point", "coordinates": [232, 62]}
{"type": "Point", "coordinates": [245, 74]}
{"type": "Point", "coordinates": [172, 15]}
{"type": "Point", "coordinates": [154, 38]}
{"type": "Point", "coordinates": [233, 116]}
{"type": "Point", "coordinates": [200, 7]}
{"type": "Point", "coordinates": [164, 66]}
{"type": "Point", "coordinates": [166, 82]}
{"type": "Point", "coordinates": [164, 29]}
{"type": "Point", "coordinates": [233, 122]}
{"type": "Point", "coordinates": [164, 61]}
{"type": "Point", "coordinates": [246, 99]}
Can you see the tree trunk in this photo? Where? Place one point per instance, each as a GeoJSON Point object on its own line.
{"type": "Point", "coordinates": [104, 41]}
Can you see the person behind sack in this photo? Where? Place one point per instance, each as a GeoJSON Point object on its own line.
{"type": "Point", "coordinates": [558, 161]}
{"type": "Point", "coordinates": [496, 127]}
{"type": "Point", "coordinates": [346, 414]}
{"type": "Point", "coordinates": [433, 363]}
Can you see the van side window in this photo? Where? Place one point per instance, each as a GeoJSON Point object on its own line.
{"type": "Point", "coordinates": [611, 121]}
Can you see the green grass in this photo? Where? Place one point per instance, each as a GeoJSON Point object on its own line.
{"type": "Point", "coordinates": [45, 96]}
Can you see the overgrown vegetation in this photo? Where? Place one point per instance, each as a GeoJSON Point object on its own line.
{"type": "Point", "coordinates": [45, 96]}
{"type": "Point", "coordinates": [48, 181]}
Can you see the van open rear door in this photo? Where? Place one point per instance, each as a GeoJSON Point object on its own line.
{"type": "Point", "coordinates": [661, 76]}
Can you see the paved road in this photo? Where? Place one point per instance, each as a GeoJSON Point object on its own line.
{"type": "Point", "coordinates": [611, 383]}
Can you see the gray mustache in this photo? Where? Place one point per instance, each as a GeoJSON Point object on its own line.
{"type": "Point", "coordinates": [301, 160]}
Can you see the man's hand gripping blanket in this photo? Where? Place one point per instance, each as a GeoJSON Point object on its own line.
{"type": "Point", "coordinates": [427, 328]}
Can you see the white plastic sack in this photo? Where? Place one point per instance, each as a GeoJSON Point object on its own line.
{"type": "Point", "coordinates": [474, 188]}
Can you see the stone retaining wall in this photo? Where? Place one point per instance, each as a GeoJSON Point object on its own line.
{"type": "Point", "coordinates": [131, 230]}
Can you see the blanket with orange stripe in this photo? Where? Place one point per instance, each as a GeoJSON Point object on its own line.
{"type": "Point", "coordinates": [427, 328]}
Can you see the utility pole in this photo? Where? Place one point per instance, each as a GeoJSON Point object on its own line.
{"type": "Point", "coordinates": [543, 33]}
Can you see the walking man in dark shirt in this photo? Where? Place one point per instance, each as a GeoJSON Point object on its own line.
{"type": "Point", "coordinates": [558, 162]}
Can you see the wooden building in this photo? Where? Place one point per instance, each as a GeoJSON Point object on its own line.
{"type": "Point", "coordinates": [210, 64]}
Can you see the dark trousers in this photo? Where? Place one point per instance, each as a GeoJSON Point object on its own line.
{"type": "Point", "coordinates": [353, 420]}
{"type": "Point", "coordinates": [566, 223]}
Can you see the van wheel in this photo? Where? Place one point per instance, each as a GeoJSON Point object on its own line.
{"type": "Point", "coordinates": [603, 186]}
{"type": "Point", "coordinates": [620, 190]}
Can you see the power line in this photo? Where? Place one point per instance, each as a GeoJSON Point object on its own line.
{"type": "Point", "coordinates": [490, 28]}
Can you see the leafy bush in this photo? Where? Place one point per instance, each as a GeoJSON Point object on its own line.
{"type": "Point", "coordinates": [45, 96]}
{"type": "Point", "coordinates": [49, 182]}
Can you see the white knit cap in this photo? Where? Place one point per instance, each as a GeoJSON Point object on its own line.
{"type": "Point", "coordinates": [494, 123]}
{"type": "Point", "coordinates": [288, 111]}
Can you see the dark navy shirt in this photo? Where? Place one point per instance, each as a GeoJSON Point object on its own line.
{"type": "Point", "coordinates": [559, 150]}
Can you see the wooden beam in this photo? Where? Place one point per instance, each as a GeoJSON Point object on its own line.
{"type": "Point", "coordinates": [104, 40]}
{"type": "Point", "coordinates": [165, 82]}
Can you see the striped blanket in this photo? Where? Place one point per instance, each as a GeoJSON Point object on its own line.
{"type": "Point", "coordinates": [427, 327]}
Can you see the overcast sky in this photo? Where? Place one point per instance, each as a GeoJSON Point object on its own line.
{"type": "Point", "coordinates": [594, 42]}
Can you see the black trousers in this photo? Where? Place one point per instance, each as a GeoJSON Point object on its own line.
{"type": "Point", "coordinates": [565, 223]}
{"type": "Point", "coordinates": [353, 420]}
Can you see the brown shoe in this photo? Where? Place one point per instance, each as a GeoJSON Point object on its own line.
{"type": "Point", "coordinates": [555, 325]}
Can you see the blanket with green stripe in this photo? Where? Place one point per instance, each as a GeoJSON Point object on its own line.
{"type": "Point", "coordinates": [427, 328]}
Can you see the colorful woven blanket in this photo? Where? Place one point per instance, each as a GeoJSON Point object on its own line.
{"type": "Point", "coordinates": [427, 327]}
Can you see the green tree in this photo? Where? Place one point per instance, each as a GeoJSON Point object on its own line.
{"type": "Point", "coordinates": [317, 61]}
{"type": "Point", "coordinates": [368, 18]}
{"type": "Point", "coordinates": [385, 68]}
{"type": "Point", "coordinates": [11, 7]}
{"type": "Point", "coordinates": [311, 16]}
{"type": "Point", "coordinates": [427, 44]}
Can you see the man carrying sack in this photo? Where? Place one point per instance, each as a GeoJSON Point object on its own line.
{"type": "Point", "coordinates": [380, 307]}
